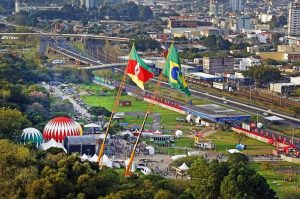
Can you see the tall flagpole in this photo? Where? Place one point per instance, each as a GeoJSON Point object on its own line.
{"type": "Point", "coordinates": [116, 104]}
{"type": "Point", "coordinates": [128, 173]}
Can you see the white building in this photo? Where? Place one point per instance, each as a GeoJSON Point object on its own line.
{"type": "Point", "coordinates": [265, 18]}
{"type": "Point", "coordinates": [248, 62]}
{"type": "Point", "coordinates": [294, 19]}
{"type": "Point", "coordinates": [236, 5]}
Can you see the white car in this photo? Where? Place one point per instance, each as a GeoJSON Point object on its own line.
{"type": "Point", "coordinates": [146, 170]}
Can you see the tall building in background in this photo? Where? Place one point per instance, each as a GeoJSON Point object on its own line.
{"type": "Point", "coordinates": [294, 19]}
{"type": "Point", "coordinates": [216, 7]}
{"type": "Point", "coordinates": [17, 6]}
{"type": "Point", "coordinates": [236, 5]}
{"type": "Point", "coordinates": [89, 4]}
{"type": "Point", "coordinates": [82, 3]}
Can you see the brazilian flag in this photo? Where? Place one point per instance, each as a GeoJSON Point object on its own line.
{"type": "Point", "coordinates": [172, 69]}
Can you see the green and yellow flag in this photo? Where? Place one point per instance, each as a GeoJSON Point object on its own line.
{"type": "Point", "coordinates": [172, 69]}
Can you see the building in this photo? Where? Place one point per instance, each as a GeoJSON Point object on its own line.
{"type": "Point", "coordinates": [216, 7]}
{"type": "Point", "coordinates": [248, 62]}
{"type": "Point", "coordinates": [81, 144]}
{"type": "Point", "coordinates": [288, 48]}
{"type": "Point", "coordinates": [213, 65]}
{"type": "Point", "coordinates": [17, 6]}
{"type": "Point", "coordinates": [294, 19]}
{"type": "Point", "coordinates": [236, 5]}
{"type": "Point", "coordinates": [284, 88]}
{"type": "Point", "coordinates": [89, 4]}
{"type": "Point", "coordinates": [162, 140]}
{"type": "Point", "coordinates": [182, 22]}
{"type": "Point", "coordinates": [82, 3]}
{"type": "Point", "coordinates": [243, 22]}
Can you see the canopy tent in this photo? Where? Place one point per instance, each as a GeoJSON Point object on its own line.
{"type": "Point", "coordinates": [150, 149]}
{"type": "Point", "coordinates": [84, 157]}
{"type": "Point", "coordinates": [51, 143]}
{"type": "Point", "coordinates": [101, 136]}
{"type": "Point", "coordinates": [92, 125]}
{"type": "Point", "coordinates": [233, 151]}
{"type": "Point", "coordinates": [106, 161]}
{"type": "Point", "coordinates": [178, 133]}
{"type": "Point", "coordinates": [157, 132]}
{"type": "Point", "coordinates": [94, 158]}
{"type": "Point", "coordinates": [183, 167]}
{"type": "Point", "coordinates": [176, 157]}
{"type": "Point", "coordinates": [274, 119]}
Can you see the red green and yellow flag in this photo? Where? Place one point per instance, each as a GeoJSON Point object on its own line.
{"type": "Point", "coordinates": [137, 69]}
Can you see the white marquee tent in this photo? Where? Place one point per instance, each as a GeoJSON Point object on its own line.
{"type": "Point", "coordinates": [183, 167]}
{"type": "Point", "coordinates": [51, 143]}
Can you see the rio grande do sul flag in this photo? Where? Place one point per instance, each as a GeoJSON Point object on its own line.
{"type": "Point", "coordinates": [172, 70]}
{"type": "Point", "coordinates": [137, 69]}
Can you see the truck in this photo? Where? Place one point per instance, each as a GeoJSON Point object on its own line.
{"type": "Point", "coordinates": [220, 86]}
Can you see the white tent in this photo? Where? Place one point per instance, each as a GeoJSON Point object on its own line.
{"type": "Point", "coordinates": [94, 158]}
{"type": "Point", "coordinates": [84, 157]}
{"type": "Point", "coordinates": [101, 136]}
{"type": "Point", "coordinates": [52, 143]}
{"type": "Point", "coordinates": [176, 157]}
{"type": "Point", "coordinates": [183, 167]}
{"type": "Point", "coordinates": [157, 132]}
{"type": "Point", "coordinates": [92, 125]}
{"type": "Point", "coordinates": [151, 150]}
{"type": "Point", "coordinates": [106, 161]}
{"type": "Point", "coordinates": [233, 151]}
{"type": "Point", "coordinates": [178, 133]}
{"type": "Point", "coordinates": [133, 168]}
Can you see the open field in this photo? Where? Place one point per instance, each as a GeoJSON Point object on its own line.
{"type": "Point", "coordinates": [275, 176]}
{"type": "Point", "coordinates": [229, 140]}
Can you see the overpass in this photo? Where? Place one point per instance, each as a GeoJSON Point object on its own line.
{"type": "Point", "coordinates": [117, 39]}
{"type": "Point", "coordinates": [74, 56]}
{"type": "Point", "coordinates": [104, 66]}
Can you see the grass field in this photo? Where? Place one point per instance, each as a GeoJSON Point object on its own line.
{"type": "Point", "coordinates": [229, 140]}
{"type": "Point", "coordinates": [276, 179]}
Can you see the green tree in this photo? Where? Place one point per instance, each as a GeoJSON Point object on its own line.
{"type": "Point", "coordinates": [244, 182]}
{"type": "Point", "coordinates": [162, 194]}
{"type": "Point", "coordinates": [12, 122]}
{"type": "Point", "coordinates": [99, 110]}
{"type": "Point", "coordinates": [263, 74]}
{"type": "Point", "coordinates": [236, 158]}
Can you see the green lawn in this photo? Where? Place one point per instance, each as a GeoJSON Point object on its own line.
{"type": "Point", "coordinates": [229, 140]}
{"type": "Point", "coordinates": [276, 179]}
{"type": "Point", "coordinates": [184, 142]}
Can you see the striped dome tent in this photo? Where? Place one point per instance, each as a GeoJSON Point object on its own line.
{"type": "Point", "coordinates": [80, 128]}
{"type": "Point", "coordinates": [60, 127]}
{"type": "Point", "coordinates": [31, 135]}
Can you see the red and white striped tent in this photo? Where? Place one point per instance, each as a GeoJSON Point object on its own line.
{"type": "Point", "coordinates": [60, 127]}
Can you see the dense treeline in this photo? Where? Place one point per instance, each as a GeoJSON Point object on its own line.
{"type": "Point", "coordinates": [53, 174]}
{"type": "Point", "coordinates": [122, 11]}
{"type": "Point", "coordinates": [26, 103]}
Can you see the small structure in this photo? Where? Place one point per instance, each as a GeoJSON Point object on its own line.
{"type": "Point", "coordinates": [94, 158]}
{"type": "Point", "coordinates": [81, 144]}
{"type": "Point", "coordinates": [106, 161]}
{"type": "Point", "coordinates": [91, 128]}
{"type": "Point", "coordinates": [162, 140]}
{"type": "Point", "coordinates": [124, 103]}
{"type": "Point", "coordinates": [151, 150]}
{"type": "Point", "coordinates": [202, 143]}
